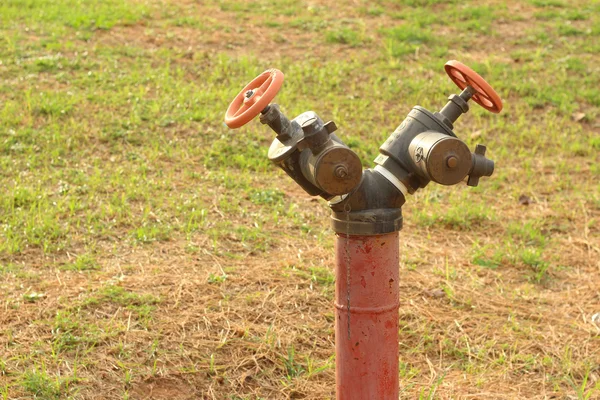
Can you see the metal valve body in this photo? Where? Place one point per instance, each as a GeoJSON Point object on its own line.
{"type": "Point", "coordinates": [422, 149]}
{"type": "Point", "coordinates": [308, 151]}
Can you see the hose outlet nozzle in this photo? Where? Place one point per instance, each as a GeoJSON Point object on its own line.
{"type": "Point", "coordinates": [482, 166]}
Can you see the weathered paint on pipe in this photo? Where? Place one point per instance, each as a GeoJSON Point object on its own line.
{"type": "Point", "coordinates": [367, 343]}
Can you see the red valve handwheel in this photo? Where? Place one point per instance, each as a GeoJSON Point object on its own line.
{"type": "Point", "coordinates": [253, 98]}
{"type": "Point", "coordinates": [464, 76]}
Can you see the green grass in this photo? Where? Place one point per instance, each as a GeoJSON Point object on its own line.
{"type": "Point", "coordinates": [346, 35]}
{"type": "Point", "coordinates": [141, 241]}
{"type": "Point", "coordinates": [406, 39]}
{"type": "Point", "coordinates": [116, 295]}
{"type": "Point", "coordinates": [41, 385]}
{"type": "Point", "coordinates": [84, 262]}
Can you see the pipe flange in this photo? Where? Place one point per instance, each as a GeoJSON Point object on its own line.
{"type": "Point", "coordinates": [367, 222]}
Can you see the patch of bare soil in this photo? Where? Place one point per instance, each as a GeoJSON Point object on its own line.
{"type": "Point", "coordinates": [169, 388]}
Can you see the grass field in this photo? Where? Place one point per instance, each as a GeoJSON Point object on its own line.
{"type": "Point", "coordinates": [147, 251]}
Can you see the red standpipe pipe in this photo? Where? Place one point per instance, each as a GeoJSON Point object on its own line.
{"type": "Point", "coordinates": [366, 317]}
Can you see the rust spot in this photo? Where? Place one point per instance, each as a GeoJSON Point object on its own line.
{"type": "Point", "coordinates": [365, 248]}
{"type": "Point", "coordinates": [391, 281]}
{"type": "Point", "coordinates": [382, 244]}
{"type": "Point", "coordinates": [357, 343]}
{"type": "Point", "coordinates": [372, 273]}
{"type": "Point", "coordinates": [363, 282]}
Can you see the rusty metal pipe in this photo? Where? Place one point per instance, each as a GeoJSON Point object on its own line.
{"type": "Point", "coordinates": [366, 317]}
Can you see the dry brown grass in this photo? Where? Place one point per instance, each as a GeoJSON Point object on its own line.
{"type": "Point", "coordinates": [209, 315]}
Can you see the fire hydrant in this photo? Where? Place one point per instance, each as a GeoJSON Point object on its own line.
{"type": "Point", "coordinates": [366, 209]}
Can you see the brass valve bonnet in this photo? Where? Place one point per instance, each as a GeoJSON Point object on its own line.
{"type": "Point", "coordinates": [336, 170]}
{"type": "Point", "coordinates": [443, 159]}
